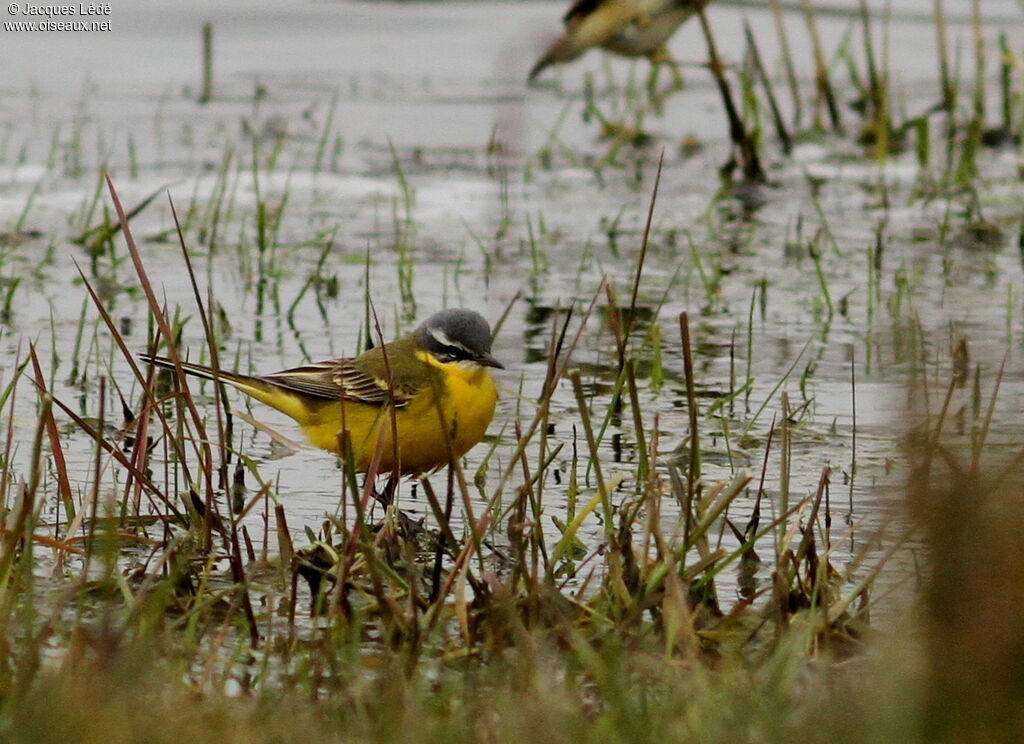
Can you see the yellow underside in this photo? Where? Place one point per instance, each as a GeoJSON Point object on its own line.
{"type": "Point", "coordinates": [464, 409]}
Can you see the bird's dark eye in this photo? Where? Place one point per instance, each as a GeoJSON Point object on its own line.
{"type": "Point", "coordinates": [453, 354]}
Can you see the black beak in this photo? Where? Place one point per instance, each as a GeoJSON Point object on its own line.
{"type": "Point", "coordinates": [487, 360]}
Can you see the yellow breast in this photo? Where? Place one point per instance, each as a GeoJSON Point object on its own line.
{"type": "Point", "coordinates": [460, 402]}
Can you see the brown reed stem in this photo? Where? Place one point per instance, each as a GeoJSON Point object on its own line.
{"type": "Point", "coordinates": [750, 163]}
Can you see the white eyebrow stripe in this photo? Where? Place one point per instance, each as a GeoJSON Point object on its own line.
{"type": "Point", "coordinates": [442, 338]}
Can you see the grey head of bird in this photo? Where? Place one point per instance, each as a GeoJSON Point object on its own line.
{"type": "Point", "coordinates": [457, 335]}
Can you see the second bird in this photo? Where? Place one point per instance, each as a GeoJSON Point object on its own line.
{"type": "Point", "coordinates": [632, 28]}
{"type": "Point", "coordinates": [436, 378]}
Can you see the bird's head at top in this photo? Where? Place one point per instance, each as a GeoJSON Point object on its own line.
{"type": "Point", "coordinates": [457, 335]}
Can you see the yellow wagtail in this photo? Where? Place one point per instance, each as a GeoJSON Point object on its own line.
{"type": "Point", "coordinates": [631, 28]}
{"type": "Point", "coordinates": [436, 378]}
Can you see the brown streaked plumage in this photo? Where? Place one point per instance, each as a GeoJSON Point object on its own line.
{"type": "Point", "coordinates": [631, 28]}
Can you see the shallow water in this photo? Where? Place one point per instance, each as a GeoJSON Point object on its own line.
{"type": "Point", "coordinates": [347, 101]}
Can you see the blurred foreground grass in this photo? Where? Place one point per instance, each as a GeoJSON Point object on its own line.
{"type": "Point", "coordinates": [949, 671]}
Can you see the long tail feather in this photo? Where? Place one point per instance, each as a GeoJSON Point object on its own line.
{"type": "Point", "coordinates": [246, 383]}
{"type": "Point", "coordinates": [273, 394]}
{"type": "Point", "coordinates": [198, 370]}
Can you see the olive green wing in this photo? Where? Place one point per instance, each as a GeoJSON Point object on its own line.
{"type": "Point", "coordinates": [362, 380]}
